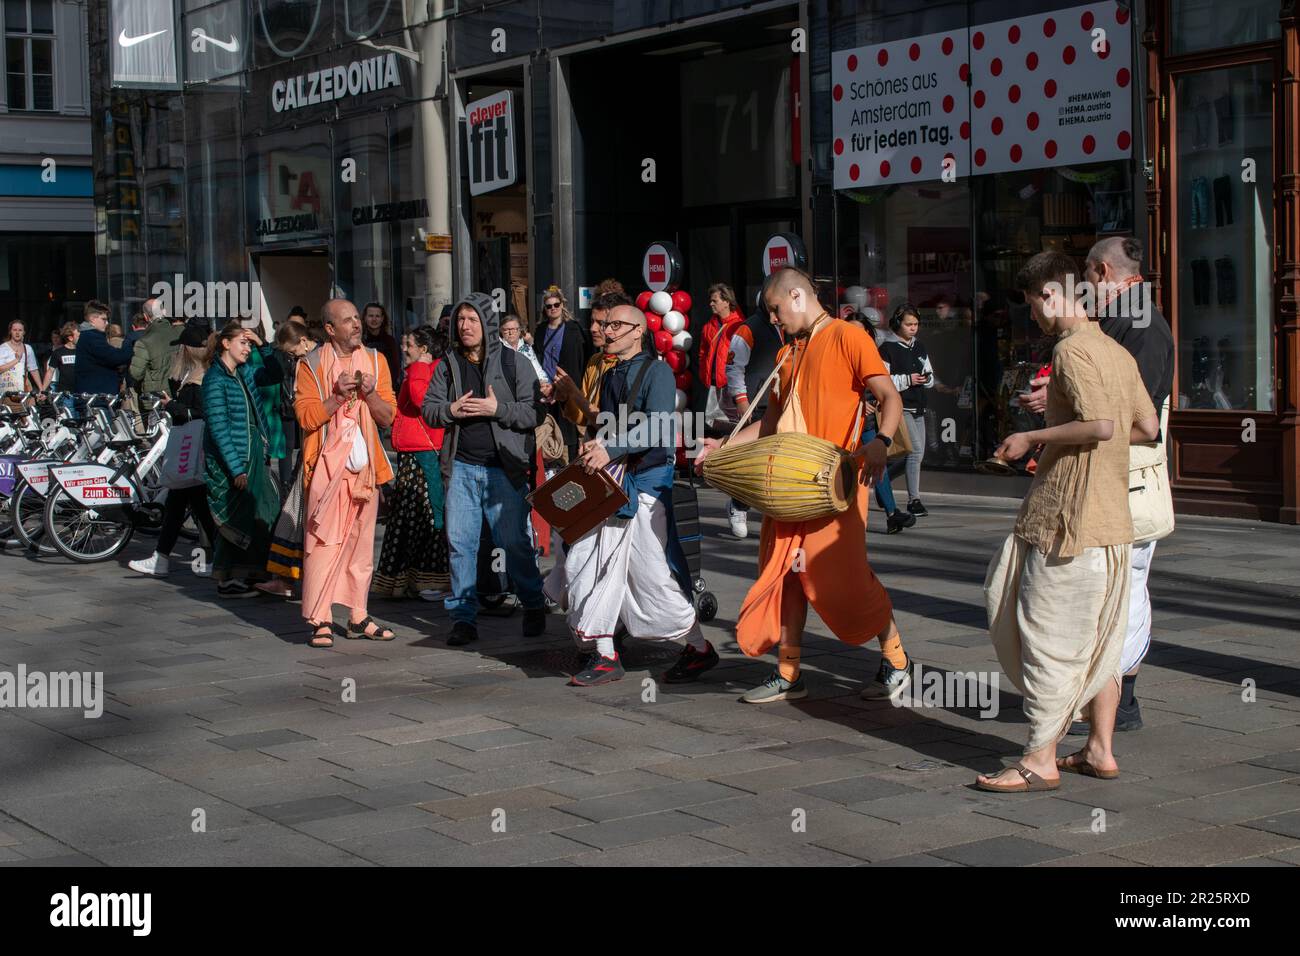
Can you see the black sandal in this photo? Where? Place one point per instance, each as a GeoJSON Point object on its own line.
{"type": "Point", "coordinates": [317, 637]}
{"type": "Point", "coordinates": [359, 631]}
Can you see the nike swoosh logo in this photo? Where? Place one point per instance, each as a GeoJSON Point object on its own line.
{"type": "Point", "coordinates": [231, 47]}
{"type": "Point", "coordinates": [127, 41]}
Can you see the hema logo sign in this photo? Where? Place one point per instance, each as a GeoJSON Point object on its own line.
{"type": "Point", "coordinates": [76, 909]}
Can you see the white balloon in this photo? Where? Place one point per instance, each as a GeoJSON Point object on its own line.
{"type": "Point", "coordinates": [661, 303]}
{"type": "Point", "coordinates": [681, 400]}
{"type": "Point", "coordinates": [682, 341]}
{"type": "Point", "coordinates": [856, 296]}
{"type": "Point", "coordinates": [674, 321]}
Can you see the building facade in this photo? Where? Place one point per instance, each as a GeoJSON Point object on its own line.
{"type": "Point", "coordinates": [47, 215]}
{"type": "Point", "coordinates": [409, 151]}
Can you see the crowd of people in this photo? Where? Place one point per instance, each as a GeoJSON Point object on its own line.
{"type": "Point", "coordinates": [479, 412]}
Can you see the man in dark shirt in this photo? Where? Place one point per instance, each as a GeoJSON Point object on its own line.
{"type": "Point", "coordinates": [488, 398]}
{"type": "Point", "coordinates": [1125, 312]}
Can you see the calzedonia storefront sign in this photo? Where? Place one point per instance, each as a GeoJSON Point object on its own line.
{"type": "Point", "coordinates": [284, 225]}
{"type": "Point", "coordinates": [357, 78]}
{"type": "Point", "coordinates": [390, 211]}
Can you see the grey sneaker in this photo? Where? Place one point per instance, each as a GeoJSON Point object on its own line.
{"type": "Point", "coordinates": [775, 688]}
{"type": "Point", "coordinates": [890, 681]}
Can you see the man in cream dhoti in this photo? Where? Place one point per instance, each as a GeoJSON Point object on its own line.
{"type": "Point", "coordinates": [630, 569]}
{"type": "Point", "coordinates": [1057, 593]}
{"type": "Point", "coordinates": [344, 395]}
{"type": "Point", "coordinates": [826, 369]}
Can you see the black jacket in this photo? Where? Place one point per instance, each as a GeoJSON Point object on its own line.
{"type": "Point", "coordinates": [573, 359]}
{"type": "Point", "coordinates": [187, 401]}
{"type": "Point", "coordinates": [904, 361]}
{"type": "Point", "coordinates": [1152, 347]}
{"type": "Point", "coordinates": [99, 365]}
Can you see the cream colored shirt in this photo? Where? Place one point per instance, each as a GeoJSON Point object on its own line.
{"type": "Point", "coordinates": [1080, 492]}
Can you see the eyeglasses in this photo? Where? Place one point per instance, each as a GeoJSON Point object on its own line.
{"type": "Point", "coordinates": [615, 325]}
{"type": "Point", "coordinates": [510, 331]}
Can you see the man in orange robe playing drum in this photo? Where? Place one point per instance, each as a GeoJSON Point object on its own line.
{"type": "Point", "coordinates": [822, 562]}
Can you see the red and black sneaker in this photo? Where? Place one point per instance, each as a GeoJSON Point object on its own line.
{"type": "Point", "coordinates": [599, 670]}
{"type": "Point", "coordinates": [691, 665]}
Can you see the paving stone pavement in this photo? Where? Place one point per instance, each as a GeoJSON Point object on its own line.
{"type": "Point", "coordinates": [217, 713]}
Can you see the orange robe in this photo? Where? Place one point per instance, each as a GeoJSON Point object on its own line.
{"type": "Point", "coordinates": [836, 578]}
{"type": "Point", "coordinates": [341, 506]}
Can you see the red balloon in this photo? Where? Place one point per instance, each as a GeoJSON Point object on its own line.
{"type": "Point", "coordinates": [684, 380]}
{"type": "Point", "coordinates": [653, 322]}
{"type": "Point", "coordinates": [676, 361]}
{"type": "Point", "coordinates": [682, 301]}
{"type": "Point", "coordinates": [643, 300]}
{"type": "Point", "coordinates": [663, 342]}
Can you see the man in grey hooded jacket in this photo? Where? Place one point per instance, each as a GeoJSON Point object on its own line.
{"type": "Point", "coordinates": [490, 405]}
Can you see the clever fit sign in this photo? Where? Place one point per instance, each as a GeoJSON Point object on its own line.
{"type": "Point", "coordinates": [1024, 93]}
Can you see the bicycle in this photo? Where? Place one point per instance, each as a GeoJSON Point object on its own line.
{"type": "Point", "coordinates": [93, 509]}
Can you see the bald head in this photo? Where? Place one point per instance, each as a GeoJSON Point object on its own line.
{"type": "Point", "coordinates": [790, 296]}
{"type": "Point", "coordinates": [624, 331]}
{"type": "Point", "coordinates": [342, 324]}
{"type": "Point", "coordinates": [1115, 258]}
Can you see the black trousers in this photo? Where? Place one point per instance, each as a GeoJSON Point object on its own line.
{"type": "Point", "coordinates": [1200, 281]}
{"type": "Point", "coordinates": [1223, 201]}
{"type": "Point", "coordinates": [192, 500]}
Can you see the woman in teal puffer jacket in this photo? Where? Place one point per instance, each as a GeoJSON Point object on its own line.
{"type": "Point", "coordinates": [243, 500]}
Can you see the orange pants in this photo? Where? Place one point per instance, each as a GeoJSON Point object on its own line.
{"type": "Point", "coordinates": [340, 573]}
{"type": "Point", "coordinates": [828, 557]}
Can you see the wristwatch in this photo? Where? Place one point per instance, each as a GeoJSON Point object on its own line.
{"type": "Point", "coordinates": [886, 439]}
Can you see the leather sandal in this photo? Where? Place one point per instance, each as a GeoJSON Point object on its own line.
{"type": "Point", "coordinates": [1029, 782]}
{"type": "Point", "coordinates": [319, 639]}
{"type": "Point", "coordinates": [361, 631]}
{"type": "Point", "coordinates": [1083, 767]}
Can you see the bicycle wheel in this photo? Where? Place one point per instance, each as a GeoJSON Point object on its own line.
{"type": "Point", "coordinates": [83, 534]}
{"type": "Point", "coordinates": [27, 519]}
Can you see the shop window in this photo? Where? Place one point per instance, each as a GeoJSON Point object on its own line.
{"type": "Point", "coordinates": [1210, 24]}
{"type": "Point", "coordinates": [289, 185]}
{"type": "Point", "coordinates": [363, 256]}
{"type": "Point", "coordinates": [1064, 209]}
{"type": "Point", "coordinates": [29, 54]}
{"type": "Point", "coordinates": [1223, 146]}
{"type": "Point", "coordinates": [913, 244]}
{"type": "Point", "coordinates": [214, 185]}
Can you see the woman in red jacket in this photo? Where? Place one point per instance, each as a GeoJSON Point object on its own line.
{"type": "Point", "coordinates": [413, 562]}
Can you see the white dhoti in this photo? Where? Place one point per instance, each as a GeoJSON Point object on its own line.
{"type": "Point", "coordinates": [619, 572]}
{"type": "Point", "coordinates": [1058, 626]}
{"type": "Point", "coordinates": [1138, 639]}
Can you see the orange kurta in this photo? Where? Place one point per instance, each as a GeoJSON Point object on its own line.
{"type": "Point", "coordinates": [835, 577]}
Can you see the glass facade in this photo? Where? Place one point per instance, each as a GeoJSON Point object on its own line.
{"type": "Point", "coordinates": [1224, 250]}
{"type": "Point", "coordinates": [300, 133]}
{"type": "Point", "coordinates": [952, 249]}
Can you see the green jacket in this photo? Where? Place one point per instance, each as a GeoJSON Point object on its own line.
{"type": "Point", "coordinates": [152, 359]}
{"type": "Point", "coordinates": [235, 426]}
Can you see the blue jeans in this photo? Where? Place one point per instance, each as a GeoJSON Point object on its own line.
{"type": "Point", "coordinates": [884, 490]}
{"type": "Point", "coordinates": [476, 492]}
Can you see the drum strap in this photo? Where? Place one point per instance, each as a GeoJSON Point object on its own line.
{"type": "Point", "coordinates": [771, 379]}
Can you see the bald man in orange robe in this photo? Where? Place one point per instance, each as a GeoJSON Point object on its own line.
{"type": "Point", "coordinates": [833, 365]}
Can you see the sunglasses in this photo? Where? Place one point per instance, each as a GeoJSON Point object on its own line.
{"type": "Point", "coordinates": [552, 305]}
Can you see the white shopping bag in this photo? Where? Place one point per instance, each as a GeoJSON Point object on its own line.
{"type": "Point", "coordinates": [183, 458]}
